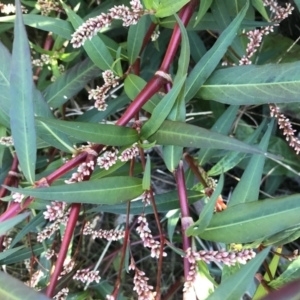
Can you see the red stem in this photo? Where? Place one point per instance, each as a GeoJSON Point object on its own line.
{"type": "Point", "coordinates": [75, 210]}
{"type": "Point", "coordinates": [185, 215]}
{"type": "Point", "coordinates": [152, 87]}
{"type": "Point", "coordinates": [185, 16]}
{"type": "Point", "coordinates": [148, 36]}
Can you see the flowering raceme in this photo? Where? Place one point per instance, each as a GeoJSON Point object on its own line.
{"type": "Point", "coordinates": [129, 16]}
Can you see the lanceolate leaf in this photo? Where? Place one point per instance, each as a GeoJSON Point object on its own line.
{"type": "Point", "coordinates": [9, 252]}
{"type": "Point", "coordinates": [135, 39]}
{"type": "Point", "coordinates": [162, 110]}
{"type": "Point", "coordinates": [232, 159]}
{"type": "Point", "coordinates": [249, 185]}
{"type": "Point", "coordinates": [49, 24]}
{"type": "Point", "coordinates": [208, 23]}
{"type": "Point", "coordinates": [259, 5]}
{"type": "Point", "coordinates": [283, 237]}
{"type": "Point", "coordinates": [5, 59]}
{"type": "Point", "coordinates": [222, 125]}
{"type": "Point", "coordinates": [31, 226]}
{"type": "Point", "coordinates": [164, 203]}
{"type": "Point", "coordinates": [14, 289]}
{"type": "Point", "coordinates": [247, 85]}
{"type": "Point", "coordinates": [240, 223]}
{"type": "Point", "coordinates": [204, 6]}
{"type": "Point", "coordinates": [54, 137]}
{"type": "Point", "coordinates": [221, 12]}
{"type": "Point", "coordinates": [40, 107]}
{"type": "Point", "coordinates": [147, 175]}
{"type": "Point", "coordinates": [169, 7]}
{"type": "Point", "coordinates": [11, 223]}
{"type": "Point", "coordinates": [51, 136]}
{"type": "Point", "coordinates": [240, 280]}
{"type": "Point", "coordinates": [95, 48]}
{"type": "Point", "coordinates": [184, 58]}
{"type": "Point", "coordinates": [111, 190]}
{"type": "Point", "coordinates": [21, 100]}
{"type": "Point", "coordinates": [211, 59]}
{"type": "Point", "coordinates": [23, 254]}
{"type": "Point", "coordinates": [207, 213]}
{"type": "Point", "coordinates": [186, 135]}
{"type": "Point", "coordinates": [70, 83]}
{"type": "Point", "coordinates": [97, 133]}
{"type": "Point", "coordinates": [290, 274]}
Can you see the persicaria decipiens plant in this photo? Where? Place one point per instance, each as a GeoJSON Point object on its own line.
{"type": "Point", "coordinates": [126, 197]}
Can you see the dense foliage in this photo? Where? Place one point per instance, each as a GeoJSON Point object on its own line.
{"type": "Point", "coordinates": [149, 149]}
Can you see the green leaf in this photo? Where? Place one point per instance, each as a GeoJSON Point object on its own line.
{"type": "Point", "coordinates": [197, 46]}
{"type": "Point", "coordinates": [31, 226]}
{"type": "Point", "coordinates": [186, 135]}
{"type": "Point", "coordinates": [164, 203]}
{"type": "Point", "coordinates": [49, 24]}
{"type": "Point", "coordinates": [147, 175]}
{"type": "Point", "coordinates": [211, 59]}
{"type": "Point", "coordinates": [111, 190]}
{"type": "Point", "coordinates": [240, 280]}
{"type": "Point", "coordinates": [184, 58]}
{"type": "Point", "coordinates": [221, 11]}
{"type": "Point", "coordinates": [50, 136]}
{"type": "Point", "coordinates": [172, 154]}
{"type": "Point", "coordinates": [9, 224]}
{"type": "Point", "coordinates": [290, 274]}
{"type": "Point", "coordinates": [95, 48]}
{"type": "Point", "coordinates": [208, 23]}
{"type": "Point", "coordinates": [148, 4]}
{"type": "Point", "coordinates": [70, 83]}
{"type": "Point", "coordinates": [169, 7]}
{"type": "Point", "coordinates": [21, 96]}
{"type": "Point", "coordinates": [117, 64]}
{"type": "Point", "coordinates": [259, 5]}
{"type": "Point", "coordinates": [14, 289]}
{"type": "Point", "coordinates": [133, 86]}
{"type": "Point", "coordinates": [5, 59]}
{"type": "Point", "coordinates": [135, 39]}
{"type": "Point", "coordinates": [232, 159]}
{"type": "Point", "coordinates": [97, 133]}
{"type": "Point", "coordinates": [207, 212]}
{"type": "Point", "coordinates": [247, 85]}
{"type": "Point", "coordinates": [9, 252]}
{"type": "Point", "coordinates": [223, 126]}
{"type": "Point", "coordinates": [54, 137]}
{"type": "Point", "coordinates": [2, 147]}
{"type": "Point", "coordinates": [162, 110]}
{"type": "Point", "coordinates": [113, 46]}
{"type": "Point", "coordinates": [249, 185]}
{"type": "Point", "coordinates": [204, 6]}
{"type": "Point", "coordinates": [23, 254]}
{"type": "Point", "coordinates": [173, 217]}
{"type": "Point", "coordinates": [283, 236]}
{"type": "Point", "coordinates": [239, 223]}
